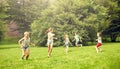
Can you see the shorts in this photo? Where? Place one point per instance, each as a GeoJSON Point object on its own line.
{"type": "Point", "coordinates": [77, 41]}
{"type": "Point", "coordinates": [66, 44]}
{"type": "Point", "coordinates": [99, 44]}
{"type": "Point", "coordinates": [25, 47]}
{"type": "Point", "coordinates": [49, 42]}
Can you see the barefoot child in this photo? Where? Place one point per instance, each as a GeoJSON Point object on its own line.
{"type": "Point", "coordinates": [67, 41]}
{"type": "Point", "coordinates": [24, 44]}
{"type": "Point", "coordinates": [50, 40]}
{"type": "Point", "coordinates": [99, 40]}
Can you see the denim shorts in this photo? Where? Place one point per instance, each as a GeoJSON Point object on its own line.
{"type": "Point", "coordinates": [25, 47]}
{"type": "Point", "coordinates": [66, 44]}
{"type": "Point", "coordinates": [49, 41]}
{"type": "Point", "coordinates": [77, 41]}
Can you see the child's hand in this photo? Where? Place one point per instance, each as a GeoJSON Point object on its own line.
{"type": "Point", "coordinates": [32, 44]}
{"type": "Point", "coordinates": [73, 40]}
{"type": "Point", "coordinates": [55, 38]}
{"type": "Point", "coordinates": [80, 40]}
{"type": "Point", "coordinates": [20, 46]}
{"type": "Point", "coordinates": [96, 39]}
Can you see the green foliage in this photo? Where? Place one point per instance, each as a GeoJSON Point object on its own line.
{"type": "Point", "coordinates": [70, 16]}
{"type": "Point", "coordinates": [25, 11]}
{"type": "Point", "coordinates": [66, 16]}
{"type": "Point", "coordinates": [3, 10]}
{"type": "Point", "coordinates": [77, 58]}
{"type": "Point", "coordinates": [113, 29]}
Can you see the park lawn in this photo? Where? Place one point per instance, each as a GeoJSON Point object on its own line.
{"type": "Point", "coordinates": [78, 58]}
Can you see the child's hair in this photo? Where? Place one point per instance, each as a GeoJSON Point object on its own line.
{"type": "Point", "coordinates": [76, 33]}
{"type": "Point", "coordinates": [26, 33]}
{"type": "Point", "coordinates": [50, 29]}
{"type": "Point", "coordinates": [99, 33]}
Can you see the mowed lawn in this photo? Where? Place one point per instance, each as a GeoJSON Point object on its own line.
{"type": "Point", "coordinates": [78, 58]}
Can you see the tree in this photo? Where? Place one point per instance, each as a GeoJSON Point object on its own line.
{"type": "Point", "coordinates": [113, 29]}
{"type": "Point", "coordinates": [23, 12]}
{"type": "Point", "coordinates": [70, 16]}
{"type": "Point", "coordinates": [3, 10]}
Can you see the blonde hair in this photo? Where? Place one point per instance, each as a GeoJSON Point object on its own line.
{"type": "Point", "coordinates": [66, 35]}
{"type": "Point", "coordinates": [99, 34]}
{"type": "Point", "coordinates": [26, 33]}
{"type": "Point", "coordinates": [50, 29]}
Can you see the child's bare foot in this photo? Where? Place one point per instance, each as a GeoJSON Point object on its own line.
{"type": "Point", "coordinates": [48, 56]}
{"type": "Point", "coordinates": [100, 50]}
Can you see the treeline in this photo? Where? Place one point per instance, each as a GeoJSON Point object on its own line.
{"type": "Point", "coordinates": [87, 17]}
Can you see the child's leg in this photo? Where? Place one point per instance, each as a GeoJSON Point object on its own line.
{"type": "Point", "coordinates": [81, 45]}
{"type": "Point", "coordinates": [66, 49]}
{"type": "Point", "coordinates": [97, 49]}
{"type": "Point", "coordinates": [51, 48]}
{"type": "Point", "coordinates": [48, 44]}
{"type": "Point", "coordinates": [76, 43]}
{"type": "Point", "coordinates": [100, 49]}
{"type": "Point", "coordinates": [48, 50]}
{"type": "Point", "coordinates": [27, 53]}
{"type": "Point", "coordinates": [23, 53]}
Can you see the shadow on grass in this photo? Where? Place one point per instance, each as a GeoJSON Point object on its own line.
{"type": "Point", "coordinates": [7, 47]}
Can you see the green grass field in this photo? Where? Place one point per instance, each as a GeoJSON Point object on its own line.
{"type": "Point", "coordinates": [77, 58]}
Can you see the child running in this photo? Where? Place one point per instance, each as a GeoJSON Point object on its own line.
{"type": "Point", "coordinates": [67, 41]}
{"type": "Point", "coordinates": [24, 44]}
{"type": "Point", "coordinates": [77, 39]}
{"type": "Point", "coordinates": [99, 43]}
{"type": "Point", "coordinates": [50, 40]}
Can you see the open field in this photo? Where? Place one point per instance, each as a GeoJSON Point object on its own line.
{"type": "Point", "coordinates": [77, 58]}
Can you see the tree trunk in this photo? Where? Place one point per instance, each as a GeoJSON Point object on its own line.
{"type": "Point", "coordinates": [113, 37]}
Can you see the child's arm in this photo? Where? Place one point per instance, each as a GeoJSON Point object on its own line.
{"type": "Point", "coordinates": [73, 40]}
{"type": "Point", "coordinates": [80, 39]}
{"type": "Point", "coordinates": [55, 38]}
{"type": "Point", "coordinates": [96, 39]}
{"type": "Point", "coordinates": [32, 44]}
{"type": "Point", "coordinates": [70, 43]}
{"type": "Point", "coordinates": [19, 42]}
